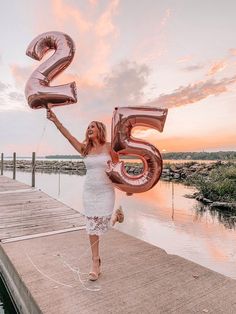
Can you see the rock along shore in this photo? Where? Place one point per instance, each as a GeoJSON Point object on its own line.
{"type": "Point", "coordinates": [175, 171]}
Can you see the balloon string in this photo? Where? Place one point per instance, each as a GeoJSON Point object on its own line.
{"type": "Point", "coordinates": [39, 142]}
{"type": "Point", "coordinates": [59, 180]}
{"type": "Point", "coordinates": [65, 263]}
{"type": "Point", "coordinates": [77, 271]}
{"type": "Point", "coordinates": [41, 137]}
{"type": "Point", "coordinates": [37, 150]}
{"type": "Point", "coordinates": [172, 198]}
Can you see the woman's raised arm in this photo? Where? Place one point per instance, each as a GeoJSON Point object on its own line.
{"type": "Point", "coordinates": [74, 142]}
{"type": "Point", "coordinates": [113, 154]}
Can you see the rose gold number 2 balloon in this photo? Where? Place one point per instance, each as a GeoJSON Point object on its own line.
{"type": "Point", "coordinates": [124, 119]}
{"type": "Point", "coordinates": [37, 91]}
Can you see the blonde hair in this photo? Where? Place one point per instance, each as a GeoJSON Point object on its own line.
{"type": "Point", "coordinates": [88, 143]}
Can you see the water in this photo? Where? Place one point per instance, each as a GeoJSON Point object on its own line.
{"type": "Point", "coordinates": [6, 306]}
{"type": "Point", "coordinates": [162, 217]}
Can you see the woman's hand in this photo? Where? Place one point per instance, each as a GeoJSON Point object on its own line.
{"type": "Point", "coordinates": [74, 142]}
{"type": "Point", "coordinates": [51, 116]}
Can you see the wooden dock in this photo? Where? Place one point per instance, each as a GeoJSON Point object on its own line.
{"type": "Point", "coordinates": [45, 257]}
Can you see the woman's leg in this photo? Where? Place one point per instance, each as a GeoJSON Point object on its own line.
{"type": "Point", "coordinates": [94, 243]}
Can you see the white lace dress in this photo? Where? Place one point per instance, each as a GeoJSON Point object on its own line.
{"type": "Point", "coordinates": [98, 194]}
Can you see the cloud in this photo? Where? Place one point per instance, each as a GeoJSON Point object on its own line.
{"type": "Point", "coordinates": [194, 67]}
{"type": "Point", "coordinates": [16, 96]}
{"type": "Point", "coordinates": [93, 2]}
{"type": "Point", "coordinates": [3, 86]}
{"type": "Point", "coordinates": [11, 100]}
{"type": "Point", "coordinates": [104, 25]}
{"type": "Point", "coordinates": [93, 31]}
{"type": "Point", "coordinates": [21, 74]}
{"type": "Point", "coordinates": [216, 67]}
{"type": "Point", "coordinates": [184, 59]}
{"type": "Point", "coordinates": [125, 83]}
{"type": "Point", "coordinates": [165, 18]}
{"type": "Point", "coordinates": [64, 11]}
{"type": "Point", "coordinates": [232, 51]}
{"type": "Point", "coordinates": [11, 106]}
{"type": "Point", "coordinates": [192, 93]}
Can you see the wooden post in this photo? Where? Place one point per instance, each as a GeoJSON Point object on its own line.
{"type": "Point", "coordinates": [1, 164]}
{"type": "Point", "coordinates": [33, 169]}
{"type": "Point", "coordinates": [14, 166]}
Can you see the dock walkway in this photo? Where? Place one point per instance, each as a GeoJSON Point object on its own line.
{"type": "Point", "coordinates": [45, 257]}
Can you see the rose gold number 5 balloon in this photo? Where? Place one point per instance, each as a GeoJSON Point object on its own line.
{"type": "Point", "coordinates": [37, 91]}
{"type": "Point", "coordinates": [124, 119]}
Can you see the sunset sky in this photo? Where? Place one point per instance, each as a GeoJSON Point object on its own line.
{"type": "Point", "coordinates": [179, 55]}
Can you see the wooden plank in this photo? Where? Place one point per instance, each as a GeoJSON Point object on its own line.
{"type": "Point", "coordinates": [7, 184]}
{"type": "Point", "coordinates": [25, 211]}
{"type": "Point", "coordinates": [40, 254]}
{"type": "Point", "coordinates": [136, 277]}
{"type": "Point", "coordinates": [44, 234]}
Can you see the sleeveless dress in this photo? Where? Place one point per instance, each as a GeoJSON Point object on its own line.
{"type": "Point", "coordinates": [98, 194]}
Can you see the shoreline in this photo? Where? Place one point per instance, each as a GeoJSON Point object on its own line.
{"type": "Point", "coordinates": [171, 170]}
{"type": "Point", "coordinates": [181, 172]}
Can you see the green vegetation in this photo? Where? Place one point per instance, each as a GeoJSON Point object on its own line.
{"type": "Point", "coordinates": [219, 185]}
{"type": "Point", "coordinates": [230, 155]}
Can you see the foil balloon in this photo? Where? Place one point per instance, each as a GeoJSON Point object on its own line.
{"type": "Point", "coordinates": [37, 90]}
{"type": "Point", "coordinates": [124, 120]}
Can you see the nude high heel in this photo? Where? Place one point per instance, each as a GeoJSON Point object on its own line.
{"type": "Point", "coordinates": [93, 276]}
{"type": "Point", "coordinates": [118, 216]}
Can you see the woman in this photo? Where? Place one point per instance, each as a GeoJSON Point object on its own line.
{"type": "Point", "coordinates": [98, 192]}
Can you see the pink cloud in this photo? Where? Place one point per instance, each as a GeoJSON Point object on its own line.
{"type": "Point", "coordinates": [184, 59]}
{"type": "Point", "coordinates": [92, 28]}
{"type": "Point", "coordinates": [64, 11]}
{"type": "Point", "coordinates": [21, 74]}
{"type": "Point", "coordinates": [194, 67]}
{"type": "Point", "coordinates": [165, 18]}
{"type": "Point", "coordinates": [94, 33]}
{"type": "Point", "coordinates": [232, 51]}
{"type": "Point", "coordinates": [216, 67]}
{"type": "Point", "coordinates": [193, 93]}
{"type": "Point", "coordinates": [3, 86]}
{"type": "Point", "coordinates": [125, 84]}
{"type": "Point", "coordinates": [104, 25]}
{"type": "Point", "coordinates": [93, 2]}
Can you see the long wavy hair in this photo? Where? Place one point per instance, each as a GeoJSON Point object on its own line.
{"type": "Point", "coordinates": [89, 144]}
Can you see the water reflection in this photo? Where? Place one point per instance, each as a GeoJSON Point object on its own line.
{"type": "Point", "coordinates": [163, 217]}
{"type": "Point", "coordinates": [227, 218]}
